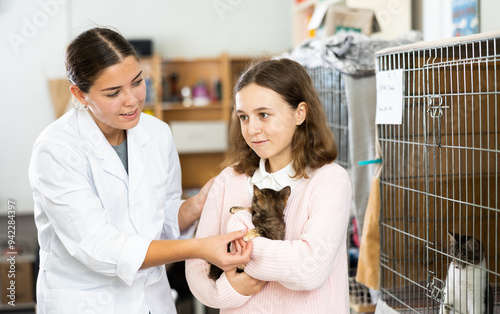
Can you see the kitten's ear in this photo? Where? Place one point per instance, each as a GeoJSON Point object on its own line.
{"type": "Point", "coordinates": [256, 190]}
{"type": "Point", "coordinates": [472, 244]}
{"type": "Point", "coordinates": [285, 192]}
{"type": "Point", "coordinates": [451, 237]}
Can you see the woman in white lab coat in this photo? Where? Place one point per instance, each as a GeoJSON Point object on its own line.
{"type": "Point", "coordinates": [106, 182]}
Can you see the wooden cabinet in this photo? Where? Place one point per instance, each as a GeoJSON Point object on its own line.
{"type": "Point", "coordinates": [168, 77]}
{"type": "Point", "coordinates": [218, 74]}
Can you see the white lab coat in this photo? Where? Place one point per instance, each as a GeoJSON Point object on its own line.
{"type": "Point", "coordinates": [95, 222]}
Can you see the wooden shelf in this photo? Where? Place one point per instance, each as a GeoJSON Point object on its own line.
{"type": "Point", "coordinates": [178, 112]}
{"type": "Point", "coordinates": [197, 168]}
{"type": "Point", "coordinates": [189, 72]}
{"type": "Point", "coordinates": [149, 106]}
{"type": "Point", "coordinates": [180, 106]}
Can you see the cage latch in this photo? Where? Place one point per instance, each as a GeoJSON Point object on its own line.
{"type": "Point", "coordinates": [435, 287]}
{"type": "Point", "coordinates": [435, 109]}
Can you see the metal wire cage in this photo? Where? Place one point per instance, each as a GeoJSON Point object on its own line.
{"type": "Point", "coordinates": [441, 169]}
{"type": "Point", "coordinates": [329, 84]}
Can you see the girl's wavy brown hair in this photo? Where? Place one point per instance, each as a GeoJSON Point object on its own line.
{"type": "Point", "coordinates": [313, 144]}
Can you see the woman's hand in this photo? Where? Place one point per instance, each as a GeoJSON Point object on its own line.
{"type": "Point", "coordinates": [214, 250]}
{"type": "Point", "coordinates": [243, 283]}
{"type": "Point", "coordinates": [190, 210]}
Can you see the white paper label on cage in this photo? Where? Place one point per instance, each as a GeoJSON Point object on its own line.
{"type": "Point", "coordinates": [389, 97]}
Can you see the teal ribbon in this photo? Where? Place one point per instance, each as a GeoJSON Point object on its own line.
{"type": "Point", "coordinates": [367, 162]}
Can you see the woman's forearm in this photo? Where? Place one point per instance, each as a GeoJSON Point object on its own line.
{"type": "Point", "coordinates": [212, 249]}
{"type": "Point", "coordinates": [162, 252]}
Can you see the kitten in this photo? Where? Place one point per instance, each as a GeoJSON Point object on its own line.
{"type": "Point", "coordinates": [267, 216]}
{"type": "Point", "coordinates": [466, 289]}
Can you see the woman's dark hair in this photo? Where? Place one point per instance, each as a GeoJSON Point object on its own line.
{"type": "Point", "coordinates": [313, 144]}
{"type": "Point", "coordinates": [91, 52]}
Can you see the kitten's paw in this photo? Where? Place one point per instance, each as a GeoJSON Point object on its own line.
{"type": "Point", "coordinates": [252, 234]}
{"type": "Point", "coordinates": [235, 209]}
{"type": "Point", "coordinates": [240, 269]}
{"type": "Point", "coordinates": [447, 308]}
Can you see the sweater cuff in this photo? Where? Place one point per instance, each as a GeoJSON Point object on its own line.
{"type": "Point", "coordinates": [239, 221]}
{"type": "Point", "coordinates": [132, 257]}
{"type": "Point", "coordinates": [225, 289]}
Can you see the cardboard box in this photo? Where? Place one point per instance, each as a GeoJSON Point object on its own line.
{"type": "Point", "coordinates": [340, 18]}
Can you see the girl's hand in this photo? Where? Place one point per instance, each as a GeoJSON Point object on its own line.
{"type": "Point", "coordinates": [214, 250]}
{"type": "Point", "coordinates": [201, 197]}
{"type": "Point", "coordinates": [243, 283]}
{"type": "Point", "coordinates": [190, 210]}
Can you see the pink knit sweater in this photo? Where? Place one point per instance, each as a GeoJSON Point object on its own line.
{"type": "Point", "coordinates": [307, 272]}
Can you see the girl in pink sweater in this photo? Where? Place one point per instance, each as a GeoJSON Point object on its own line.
{"type": "Point", "coordinates": [279, 137]}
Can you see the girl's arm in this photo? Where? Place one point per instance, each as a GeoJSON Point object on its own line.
{"type": "Point", "coordinates": [244, 284]}
{"type": "Point", "coordinates": [219, 293]}
{"type": "Point", "coordinates": [190, 210]}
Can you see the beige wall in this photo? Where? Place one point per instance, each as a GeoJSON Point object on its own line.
{"type": "Point", "coordinates": [488, 15]}
{"type": "Point", "coordinates": [34, 34]}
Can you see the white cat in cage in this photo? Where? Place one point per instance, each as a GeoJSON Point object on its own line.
{"type": "Point", "coordinates": [466, 289]}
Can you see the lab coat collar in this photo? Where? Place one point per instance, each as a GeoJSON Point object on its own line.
{"type": "Point", "coordinates": [136, 138]}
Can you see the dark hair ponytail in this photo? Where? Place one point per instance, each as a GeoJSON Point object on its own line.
{"type": "Point", "coordinates": [91, 52]}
